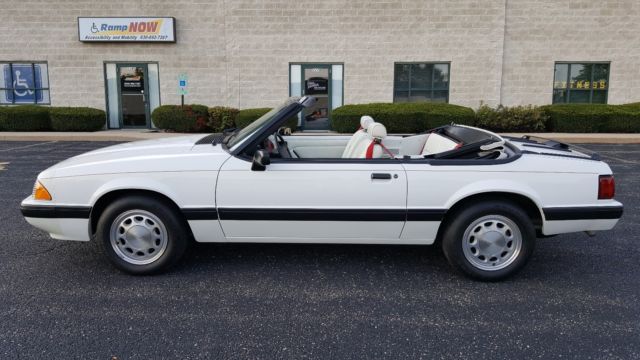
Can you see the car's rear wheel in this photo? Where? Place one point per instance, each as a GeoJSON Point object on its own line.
{"type": "Point", "coordinates": [142, 235]}
{"type": "Point", "coordinates": [489, 240]}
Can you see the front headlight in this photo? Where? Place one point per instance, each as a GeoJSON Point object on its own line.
{"type": "Point", "coordinates": [40, 192]}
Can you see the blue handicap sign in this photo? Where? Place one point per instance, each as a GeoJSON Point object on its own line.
{"type": "Point", "coordinates": [22, 82]}
{"type": "Point", "coordinates": [183, 83]}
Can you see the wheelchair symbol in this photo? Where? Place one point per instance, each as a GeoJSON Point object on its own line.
{"type": "Point", "coordinates": [22, 83]}
{"type": "Point", "coordinates": [94, 28]}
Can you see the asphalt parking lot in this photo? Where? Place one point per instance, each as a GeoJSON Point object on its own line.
{"type": "Point", "coordinates": [579, 298]}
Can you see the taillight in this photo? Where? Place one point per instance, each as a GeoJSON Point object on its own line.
{"type": "Point", "coordinates": [606, 187]}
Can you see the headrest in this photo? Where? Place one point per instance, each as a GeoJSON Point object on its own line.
{"type": "Point", "coordinates": [377, 131]}
{"type": "Point", "coordinates": [365, 121]}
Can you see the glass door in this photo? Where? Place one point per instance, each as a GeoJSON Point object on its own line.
{"type": "Point", "coordinates": [316, 82]}
{"type": "Point", "coordinates": [133, 90]}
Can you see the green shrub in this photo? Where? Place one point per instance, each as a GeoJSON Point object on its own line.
{"type": "Point", "coordinates": [592, 118]}
{"type": "Point", "coordinates": [24, 118]}
{"type": "Point", "coordinates": [190, 118]}
{"type": "Point", "coordinates": [221, 117]}
{"type": "Point", "coordinates": [514, 118]}
{"type": "Point", "coordinates": [247, 116]}
{"type": "Point", "coordinates": [631, 106]}
{"type": "Point", "coordinates": [401, 117]}
{"type": "Point", "coordinates": [77, 119]}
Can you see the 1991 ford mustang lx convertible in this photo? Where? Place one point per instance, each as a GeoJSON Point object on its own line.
{"type": "Point", "coordinates": [484, 197]}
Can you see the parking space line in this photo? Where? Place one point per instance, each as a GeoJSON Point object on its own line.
{"type": "Point", "coordinates": [619, 159]}
{"type": "Point", "coordinates": [27, 146]}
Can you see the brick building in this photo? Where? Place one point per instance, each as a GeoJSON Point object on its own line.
{"type": "Point", "coordinates": [252, 53]}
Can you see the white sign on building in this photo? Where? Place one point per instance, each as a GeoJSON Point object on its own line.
{"type": "Point", "coordinates": [129, 29]}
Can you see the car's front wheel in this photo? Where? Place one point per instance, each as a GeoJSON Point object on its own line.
{"type": "Point", "coordinates": [489, 240]}
{"type": "Point", "coordinates": [141, 235]}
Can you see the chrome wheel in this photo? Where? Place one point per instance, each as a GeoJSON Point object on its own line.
{"type": "Point", "coordinates": [492, 242]}
{"type": "Point", "coordinates": [138, 237]}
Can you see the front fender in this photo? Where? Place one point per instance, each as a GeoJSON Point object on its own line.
{"type": "Point", "coordinates": [135, 183]}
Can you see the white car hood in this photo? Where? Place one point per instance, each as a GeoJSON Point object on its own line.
{"type": "Point", "coordinates": [167, 154]}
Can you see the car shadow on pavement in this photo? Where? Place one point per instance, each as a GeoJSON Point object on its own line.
{"type": "Point", "coordinates": [393, 261]}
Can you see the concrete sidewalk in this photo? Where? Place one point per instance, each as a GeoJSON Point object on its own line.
{"type": "Point", "coordinates": [133, 135]}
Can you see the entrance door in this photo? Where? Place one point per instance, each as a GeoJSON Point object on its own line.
{"type": "Point", "coordinates": [317, 82]}
{"type": "Point", "coordinates": [133, 90]}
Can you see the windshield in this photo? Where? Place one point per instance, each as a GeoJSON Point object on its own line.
{"type": "Point", "coordinates": [237, 136]}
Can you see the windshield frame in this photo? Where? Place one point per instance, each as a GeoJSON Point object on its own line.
{"type": "Point", "coordinates": [237, 136]}
{"type": "Point", "coordinates": [265, 125]}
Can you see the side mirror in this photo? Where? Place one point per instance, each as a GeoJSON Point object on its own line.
{"type": "Point", "coordinates": [260, 161]}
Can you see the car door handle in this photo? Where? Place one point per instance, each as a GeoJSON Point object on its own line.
{"type": "Point", "coordinates": [380, 176]}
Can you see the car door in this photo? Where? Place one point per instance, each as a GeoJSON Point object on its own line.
{"type": "Point", "coordinates": [307, 201]}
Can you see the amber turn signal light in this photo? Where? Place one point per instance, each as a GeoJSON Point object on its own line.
{"type": "Point", "coordinates": [40, 192]}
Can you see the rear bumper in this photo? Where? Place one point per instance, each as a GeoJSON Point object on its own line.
{"type": "Point", "coordinates": [559, 220]}
{"type": "Point", "coordinates": [60, 221]}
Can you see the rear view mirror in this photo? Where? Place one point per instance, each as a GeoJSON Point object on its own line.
{"type": "Point", "coordinates": [260, 161]}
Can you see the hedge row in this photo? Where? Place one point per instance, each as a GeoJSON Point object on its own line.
{"type": "Point", "coordinates": [397, 117]}
{"type": "Point", "coordinates": [188, 118]}
{"type": "Point", "coordinates": [515, 118]}
{"type": "Point", "coordinates": [199, 118]}
{"type": "Point", "coordinates": [40, 118]}
{"type": "Point", "coordinates": [593, 118]}
{"type": "Point", "coordinates": [401, 117]}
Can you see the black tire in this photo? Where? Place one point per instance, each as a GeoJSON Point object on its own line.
{"type": "Point", "coordinates": [453, 240]}
{"type": "Point", "coordinates": [175, 235]}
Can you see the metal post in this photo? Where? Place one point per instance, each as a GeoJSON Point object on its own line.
{"type": "Point", "coordinates": [182, 100]}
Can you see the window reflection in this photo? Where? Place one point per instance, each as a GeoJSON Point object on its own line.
{"type": "Point", "coordinates": [420, 82]}
{"type": "Point", "coordinates": [580, 83]}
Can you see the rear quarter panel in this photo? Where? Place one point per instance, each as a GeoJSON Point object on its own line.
{"type": "Point", "coordinates": [549, 181]}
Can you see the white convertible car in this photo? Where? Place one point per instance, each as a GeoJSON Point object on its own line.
{"type": "Point", "coordinates": [484, 197]}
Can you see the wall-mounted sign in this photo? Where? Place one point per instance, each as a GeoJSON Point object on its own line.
{"type": "Point", "coordinates": [127, 29]}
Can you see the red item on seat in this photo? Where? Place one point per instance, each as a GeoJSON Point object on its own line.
{"type": "Point", "coordinates": [369, 154]}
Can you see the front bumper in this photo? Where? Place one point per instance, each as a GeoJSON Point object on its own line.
{"type": "Point", "coordinates": [63, 222]}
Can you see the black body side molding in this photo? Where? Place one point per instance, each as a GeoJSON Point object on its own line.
{"type": "Point", "coordinates": [56, 212]}
{"type": "Point", "coordinates": [583, 213]}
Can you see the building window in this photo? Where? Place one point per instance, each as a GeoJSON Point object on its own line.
{"type": "Point", "coordinates": [581, 83]}
{"type": "Point", "coordinates": [415, 82]}
{"type": "Point", "coordinates": [24, 83]}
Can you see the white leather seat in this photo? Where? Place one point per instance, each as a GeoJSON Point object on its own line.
{"type": "Point", "coordinates": [371, 147]}
{"type": "Point", "coordinates": [358, 136]}
{"type": "Point", "coordinates": [412, 145]}
{"type": "Point", "coordinates": [437, 143]}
